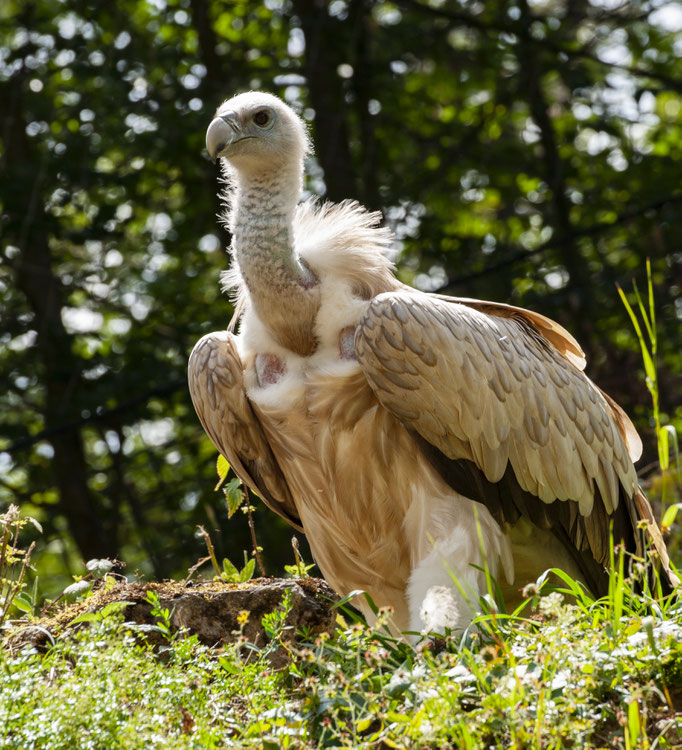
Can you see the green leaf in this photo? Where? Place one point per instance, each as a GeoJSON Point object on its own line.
{"type": "Point", "coordinates": [246, 573]}
{"type": "Point", "coordinates": [671, 435]}
{"type": "Point", "coordinates": [670, 515]}
{"type": "Point", "coordinates": [230, 572]}
{"type": "Point", "coordinates": [634, 725]}
{"type": "Point", "coordinates": [663, 449]}
{"type": "Point", "coordinates": [648, 362]}
{"type": "Point", "coordinates": [344, 600]}
{"type": "Point", "coordinates": [23, 604]}
{"type": "Point", "coordinates": [362, 725]}
{"type": "Point", "coordinates": [114, 608]}
{"type": "Point", "coordinates": [85, 617]}
{"type": "Point", "coordinates": [229, 666]}
{"type": "Point", "coordinates": [234, 496]}
{"type": "Point", "coordinates": [222, 467]}
{"type": "Point", "coordinates": [652, 311]}
{"type": "Point", "coordinates": [299, 570]}
{"type": "Point", "coordinates": [645, 316]}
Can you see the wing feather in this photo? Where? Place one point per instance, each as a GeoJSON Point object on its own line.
{"type": "Point", "coordinates": [215, 376]}
{"type": "Point", "coordinates": [558, 336]}
{"type": "Point", "coordinates": [504, 388]}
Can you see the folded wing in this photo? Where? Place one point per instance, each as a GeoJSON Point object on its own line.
{"type": "Point", "coordinates": [216, 384]}
{"type": "Point", "coordinates": [498, 403]}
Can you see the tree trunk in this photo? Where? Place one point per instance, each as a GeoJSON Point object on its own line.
{"type": "Point", "coordinates": [554, 174]}
{"type": "Point", "coordinates": [324, 39]}
{"type": "Point", "coordinates": [26, 226]}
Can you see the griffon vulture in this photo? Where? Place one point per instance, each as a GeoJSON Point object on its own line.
{"type": "Point", "coordinates": [411, 436]}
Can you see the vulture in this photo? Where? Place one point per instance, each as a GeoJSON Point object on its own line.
{"type": "Point", "coordinates": [418, 440]}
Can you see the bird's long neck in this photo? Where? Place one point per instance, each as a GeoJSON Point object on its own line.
{"type": "Point", "coordinates": [283, 291]}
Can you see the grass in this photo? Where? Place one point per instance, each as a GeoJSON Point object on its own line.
{"type": "Point", "coordinates": [643, 319]}
{"type": "Point", "coordinates": [567, 671]}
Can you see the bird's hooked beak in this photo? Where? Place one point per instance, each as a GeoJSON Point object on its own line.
{"type": "Point", "coordinates": [222, 132]}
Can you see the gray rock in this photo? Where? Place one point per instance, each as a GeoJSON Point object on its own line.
{"type": "Point", "coordinates": [208, 609]}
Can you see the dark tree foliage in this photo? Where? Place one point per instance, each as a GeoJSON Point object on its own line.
{"type": "Point", "coordinates": [525, 151]}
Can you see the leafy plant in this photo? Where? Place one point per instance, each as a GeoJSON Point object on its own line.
{"type": "Point", "coordinates": [99, 616]}
{"type": "Point", "coordinates": [232, 489]}
{"type": "Point", "coordinates": [229, 572]}
{"type": "Point", "coordinates": [232, 574]}
{"type": "Point", "coordinates": [82, 586]}
{"type": "Point", "coordinates": [299, 569]}
{"type": "Point", "coordinates": [235, 497]}
{"type": "Point", "coordinates": [274, 623]}
{"type": "Point", "coordinates": [163, 615]}
{"type": "Point", "coordinates": [14, 562]}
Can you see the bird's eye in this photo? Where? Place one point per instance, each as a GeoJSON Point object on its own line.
{"type": "Point", "coordinates": [261, 118]}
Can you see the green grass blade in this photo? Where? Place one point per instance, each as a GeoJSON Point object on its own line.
{"type": "Point", "coordinates": [646, 356]}
{"type": "Point", "coordinates": [652, 312]}
{"type": "Point", "coordinates": [663, 447]}
{"type": "Point", "coordinates": [645, 315]}
{"type": "Point", "coordinates": [671, 435]}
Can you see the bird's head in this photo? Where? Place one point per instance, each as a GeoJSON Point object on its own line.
{"type": "Point", "coordinates": [257, 131]}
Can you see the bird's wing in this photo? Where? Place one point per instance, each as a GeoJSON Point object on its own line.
{"type": "Point", "coordinates": [499, 408]}
{"type": "Point", "coordinates": [216, 384]}
{"type": "Point", "coordinates": [557, 335]}
{"type": "Point", "coordinates": [566, 345]}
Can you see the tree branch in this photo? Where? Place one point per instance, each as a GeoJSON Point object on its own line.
{"type": "Point", "coordinates": [594, 229]}
{"type": "Point", "coordinates": [98, 415]}
{"type": "Point", "coordinates": [514, 27]}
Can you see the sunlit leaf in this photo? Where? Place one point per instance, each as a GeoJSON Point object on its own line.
{"type": "Point", "coordinates": [246, 573]}
{"type": "Point", "coordinates": [85, 617]}
{"type": "Point", "coordinates": [99, 567]}
{"type": "Point", "coordinates": [671, 434]}
{"type": "Point", "coordinates": [663, 448]}
{"type": "Point", "coordinates": [114, 607]}
{"type": "Point", "coordinates": [234, 496]}
{"type": "Point", "coordinates": [22, 603]}
{"type": "Point", "coordinates": [230, 572]}
{"type": "Point", "coordinates": [223, 468]}
{"type": "Point", "coordinates": [670, 515]}
{"type": "Point", "coordinates": [77, 589]}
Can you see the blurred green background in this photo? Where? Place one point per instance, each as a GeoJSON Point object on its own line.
{"type": "Point", "coordinates": [523, 151]}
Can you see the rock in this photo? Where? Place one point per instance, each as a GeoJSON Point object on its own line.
{"type": "Point", "coordinates": [208, 609]}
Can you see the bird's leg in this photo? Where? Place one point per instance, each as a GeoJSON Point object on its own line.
{"type": "Point", "coordinates": [444, 588]}
{"type": "Point", "coordinates": [283, 290]}
{"type": "Point", "coordinates": [436, 603]}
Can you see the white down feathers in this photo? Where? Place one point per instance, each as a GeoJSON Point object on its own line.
{"type": "Point", "coordinates": [338, 241]}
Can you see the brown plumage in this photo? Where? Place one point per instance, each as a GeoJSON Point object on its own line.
{"type": "Point", "coordinates": [411, 436]}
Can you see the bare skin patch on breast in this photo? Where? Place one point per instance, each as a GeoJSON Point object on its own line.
{"type": "Point", "coordinates": [347, 343]}
{"type": "Point", "coordinates": [269, 369]}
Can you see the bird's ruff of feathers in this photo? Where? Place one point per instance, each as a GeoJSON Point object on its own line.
{"type": "Point", "coordinates": [343, 240]}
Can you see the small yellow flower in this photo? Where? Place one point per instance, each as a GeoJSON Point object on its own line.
{"type": "Point", "coordinates": [243, 617]}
